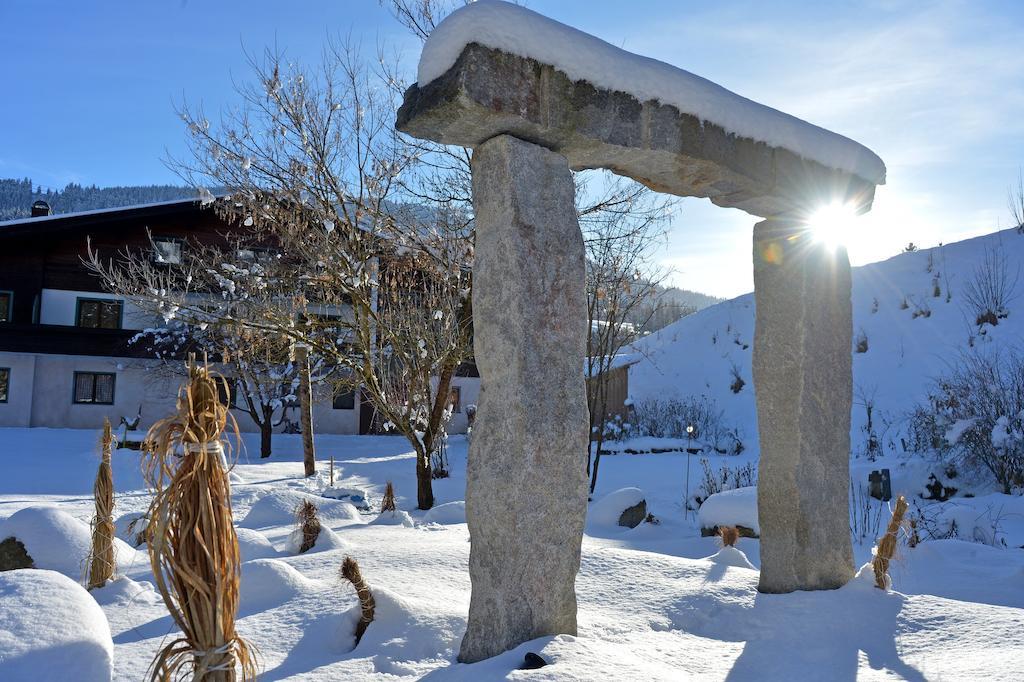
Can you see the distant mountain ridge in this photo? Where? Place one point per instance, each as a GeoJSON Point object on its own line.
{"type": "Point", "coordinates": [17, 196]}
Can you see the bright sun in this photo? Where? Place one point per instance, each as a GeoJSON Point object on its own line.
{"type": "Point", "coordinates": [834, 224]}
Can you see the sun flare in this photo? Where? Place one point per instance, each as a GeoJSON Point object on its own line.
{"type": "Point", "coordinates": [834, 224]}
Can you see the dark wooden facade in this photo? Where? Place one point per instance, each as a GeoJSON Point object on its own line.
{"type": "Point", "coordinates": [47, 253]}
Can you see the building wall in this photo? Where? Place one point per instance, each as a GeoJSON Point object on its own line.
{"type": "Point", "coordinates": [42, 385]}
{"type": "Point", "coordinates": [60, 306]}
{"type": "Point", "coordinates": [17, 411]}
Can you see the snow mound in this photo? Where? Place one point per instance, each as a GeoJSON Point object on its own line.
{"type": "Point", "coordinates": [404, 630]}
{"type": "Point", "coordinates": [607, 510]}
{"type": "Point", "coordinates": [253, 544]}
{"type": "Point", "coordinates": [583, 57]}
{"type": "Point", "coordinates": [731, 508]}
{"type": "Point", "coordinates": [451, 512]}
{"type": "Point", "coordinates": [731, 556]}
{"type": "Point", "coordinates": [394, 518]}
{"type": "Point", "coordinates": [125, 591]}
{"type": "Point", "coordinates": [326, 540]}
{"type": "Point", "coordinates": [58, 541]}
{"type": "Point", "coordinates": [277, 508]}
{"type": "Point", "coordinates": [51, 629]}
{"type": "Point", "coordinates": [131, 528]}
{"type": "Point", "coordinates": [271, 582]}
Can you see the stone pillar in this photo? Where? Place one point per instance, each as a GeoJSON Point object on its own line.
{"type": "Point", "coordinates": [526, 489]}
{"type": "Point", "coordinates": [803, 383]}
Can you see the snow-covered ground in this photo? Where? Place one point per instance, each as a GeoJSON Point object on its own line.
{"type": "Point", "coordinates": [656, 602]}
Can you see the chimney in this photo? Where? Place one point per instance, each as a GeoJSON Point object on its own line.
{"type": "Point", "coordinates": [40, 208]}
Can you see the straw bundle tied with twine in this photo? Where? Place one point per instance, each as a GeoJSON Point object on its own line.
{"type": "Point", "coordinates": [887, 545]}
{"type": "Point", "coordinates": [367, 604]}
{"type": "Point", "coordinates": [193, 548]}
{"type": "Point", "coordinates": [101, 560]}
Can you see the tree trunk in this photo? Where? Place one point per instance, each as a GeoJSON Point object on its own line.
{"type": "Point", "coordinates": [597, 463]}
{"type": "Point", "coordinates": [306, 410]}
{"type": "Point", "coordinates": [424, 480]}
{"type": "Point", "coordinates": [266, 431]}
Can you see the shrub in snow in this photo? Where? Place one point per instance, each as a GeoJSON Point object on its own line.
{"type": "Point", "coordinates": [974, 417]}
{"type": "Point", "coordinates": [350, 572]}
{"type": "Point", "coordinates": [887, 545]}
{"type": "Point", "coordinates": [669, 419]}
{"type": "Point", "coordinates": [131, 528]}
{"type": "Point", "coordinates": [728, 535]}
{"type": "Point", "coordinates": [326, 540]}
{"type": "Point", "coordinates": [308, 525]}
{"type": "Point", "coordinates": [991, 288]}
{"type": "Point", "coordinates": [51, 629]}
{"type": "Point", "coordinates": [387, 504]}
{"type": "Point", "coordinates": [860, 344]}
{"type": "Point", "coordinates": [726, 478]}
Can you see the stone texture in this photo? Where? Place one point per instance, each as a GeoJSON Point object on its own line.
{"type": "Point", "coordinates": [803, 384]}
{"type": "Point", "coordinates": [526, 490]}
{"type": "Point", "coordinates": [488, 92]}
{"type": "Point", "coordinates": [631, 517]}
{"type": "Point", "coordinates": [14, 556]}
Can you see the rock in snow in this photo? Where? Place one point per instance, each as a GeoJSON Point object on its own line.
{"type": "Point", "coordinates": [610, 509]}
{"type": "Point", "coordinates": [452, 512]}
{"type": "Point", "coordinates": [731, 508]}
{"type": "Point", "coordinates": [58, 541]}
{"type": "Point", "coordinates": [51, 629]}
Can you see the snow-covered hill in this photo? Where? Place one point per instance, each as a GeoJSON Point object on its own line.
{"type": "Point", "coordinates": [911, 312]}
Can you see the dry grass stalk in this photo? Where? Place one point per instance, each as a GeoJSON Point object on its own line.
{"type": "Point", "coordinates": [101, 557]}
{"type": "Point", "coordinates": [728, 535]}
{"type": "Point", "coordinates": [914, 539]}
{"type": "Point", "coordinates": [309, 524]}
{"type": "Point", "coordinates": [887, 545]}
{"type": "Point", "coordinates": [193, 548]}
{"type": "Point", "coordinates": [388, 503]}
{"type": "Point", "coordinates": [350, 572]}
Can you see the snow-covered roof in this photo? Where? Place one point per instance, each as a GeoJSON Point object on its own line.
{"type": "Point", "coordinates": [96, 211]}
{"type": "Point", "coordinates": [583, 57]}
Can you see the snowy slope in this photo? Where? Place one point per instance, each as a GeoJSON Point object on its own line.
{"type": "Point", "coordinates": [696, 355]}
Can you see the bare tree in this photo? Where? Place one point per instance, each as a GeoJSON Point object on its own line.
{"type": "Point", "coordinates": [204, 302]}
{"type": "Point", "coordinates": [1015, 202]}
{"type": "Point", "coordinates": [621, 233]}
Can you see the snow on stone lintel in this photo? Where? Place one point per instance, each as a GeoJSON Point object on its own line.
{"type": "Point", "coordinates": [583, 57]}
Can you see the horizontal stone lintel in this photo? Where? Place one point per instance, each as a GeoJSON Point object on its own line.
{"type": "Point", "coordinates": [488, 92]}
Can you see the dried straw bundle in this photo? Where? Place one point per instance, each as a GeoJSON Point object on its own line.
{"type": "Point", "coordinates": [728, 535]}
{"type": "Point", "coordinates": [191, 538]}
{"type": "Point", "coordinates": [101, 556]}
{"type": "Point", "coordinates": [887, 545]}
{"type": "Point", "coordinates": [388, 503]}
{"type": "Point", "coordinates": [350, 572]}
{"type": "Point", "coordinates": [309, 525]}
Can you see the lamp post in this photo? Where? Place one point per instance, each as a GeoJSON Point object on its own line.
{"type": "Point", "coordinates": [689, 447]}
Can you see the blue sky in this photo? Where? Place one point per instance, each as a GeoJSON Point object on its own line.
{"type": "Point", "coordinates": [936, 89]}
